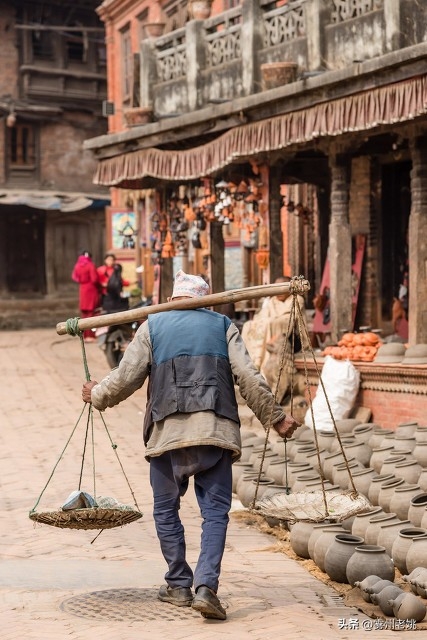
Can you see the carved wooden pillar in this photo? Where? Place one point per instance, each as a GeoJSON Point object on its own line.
{"type": "Point", "coordinates": [418, 245]}
{"type": "Point", "coordinates": [217, 248]}
{"type": "Point", "coordinates": [340, 248]}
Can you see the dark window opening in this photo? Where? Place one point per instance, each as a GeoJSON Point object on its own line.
{"type": "Point", "coordinates": [22, 150]}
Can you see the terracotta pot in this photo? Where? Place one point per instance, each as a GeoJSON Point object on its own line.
{"type": "Point", "coordinates": [423, 523]}
{"type": "Point", "coordinates": [329, 461]}
{"type": "Point", "coordinates": [276, 74]}
{"type": "Point", "coordinates": [245, 477]}
{"type": "Point", "coordinates": [361, 521]}
{"type": "Point", "coordinates": [263, 459]}
{"type": "Point", "coordinates": [420, 453]}
{"type": "Point", "coordinates": [389, 464]}
{"type": "Point", "coordinates": [363, 432]}
{"type": "Point", "coordinates": [369, 559]}
{"type": "Point", "coordinates": [322, 543]}
{"type": "Point", "coordinates": [407, 606]}
{"type": "Point", "coordinates": [275, 469]}
{"type": "Point", "coordinates": [345, 441]}
{"type": "Point", "coordinates": [294, 469]}
{"type": "Point", "coordinates": [401, 545]}
{"type": "Point", "coordinates": [365, 584]}
{"type": "Point", "coordinates": [379, 455]}
{"type": "Point", "coordinates": [154, 29]}
{"type": "Point", "coordinates": [401, 499]}
{"type": "Point", "coordinates": [376, 485]}
{"type": "Point", "coordinates": [409, 470]}
{"type": "Point", "coordinates": [417, 553]}
{"type": "Point", "coordinates": [313, 458]}
{"type": "Point", "coordinates": [301, 481]}
{"type": "Point", "coordinates": [246, 452]}
{"type": "Point", "coordinates": [378, 586]}
{"type": "Point", "coordinates": [338, 555]}
{"type": "Point", "coordinates": [412, 576]}
{"type": "Point", "coordinates": [375, 524]}
{"type": "Point", "coordinates": [387, 491]}
{"type": "Point", "coordinates": [299, 537]}
{"type": "Point", "coordinates": [346, 425]}
{"type": "Point", "coordinates": [249, 488]}
{"type": "Point", "coordinates": [382, 598]}
{"type": "Point", "coordinates": [303, 451]}
{"type": "Point", "coordinates": [137, 116]}
{"type": "Point", "coordinates": [406, 429]}
{"type": "Point", "coordinates": [341, 474]}
{"type": "Point", "coordinates": [417, 509]}
{"type": "Point", "coordinates": [200, 9]}
{"type": "Point", "coordinates": [422, 480]}
{"type": "Point", "coordinates": [419, 583]}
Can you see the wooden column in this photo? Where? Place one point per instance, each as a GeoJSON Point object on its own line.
{"type": "Point", "coordinates": [418, 245]}
{"type": "Point", "coordinates": [340, 248]}
{"type": "Point", "coordinates": [276, 236]}
{"type": "Point", "coordinates": [216, 267]}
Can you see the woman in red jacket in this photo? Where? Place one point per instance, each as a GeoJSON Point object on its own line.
{"type": "Point", "coordinates": [84, 272]}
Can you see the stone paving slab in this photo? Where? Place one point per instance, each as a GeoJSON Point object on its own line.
{"type": "Point", "coordinates": [57, 583]}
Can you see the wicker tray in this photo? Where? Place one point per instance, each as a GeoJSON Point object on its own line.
{"type": "Point", "coordinates": [310, 506]}
{"type": "Point", "coordinates": [93, 518]}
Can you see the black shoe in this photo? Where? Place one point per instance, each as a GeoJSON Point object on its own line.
{"type": "Point", "coordinates": [207, 602]}
{"type": "Point", "coordinates": [179, 596]}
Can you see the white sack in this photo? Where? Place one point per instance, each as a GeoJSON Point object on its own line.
{"type": "Point", "coordinates": [341, 381]}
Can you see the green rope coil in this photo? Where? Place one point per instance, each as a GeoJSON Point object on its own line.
{"type": "Point", "coordinates": [72, 327]}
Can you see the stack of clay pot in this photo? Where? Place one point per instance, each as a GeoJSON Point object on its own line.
{"type": "Point", "coordinates": [391, 599]}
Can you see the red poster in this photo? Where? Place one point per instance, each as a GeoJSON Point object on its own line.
{"type": "Point", "coordinates": [322, 319]}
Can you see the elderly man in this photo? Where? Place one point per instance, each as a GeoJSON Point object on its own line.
{"type": "Point", "coordinates": [191, 428]}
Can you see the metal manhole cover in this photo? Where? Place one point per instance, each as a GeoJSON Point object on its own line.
{"type": "Point", "coordinates": [134, 605]}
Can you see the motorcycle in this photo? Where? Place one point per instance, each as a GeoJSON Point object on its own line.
{"type": "Point", "coordinates": [115, 339]}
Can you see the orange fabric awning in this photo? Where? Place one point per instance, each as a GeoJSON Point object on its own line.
{"type": "Point", "coordinates": [366, 110]}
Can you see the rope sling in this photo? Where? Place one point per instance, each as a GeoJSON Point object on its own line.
{"type": "Point", "coordinates": [306, 506]}
{"type": "Point", "coordinates": [104, 513]}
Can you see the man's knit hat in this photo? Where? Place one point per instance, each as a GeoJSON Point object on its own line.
{"type": "Point", "coordinates": [190, 286]}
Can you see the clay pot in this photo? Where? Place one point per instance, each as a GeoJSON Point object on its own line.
{"type": "Point", "coordinates": [276, 74]}
{"type": "Point", "coordinates": [376, 485]}
{"type": "Point", "coordinates": [313, 458]}
{"type": "Point", "coordinates": [294, 469]}
{"type": "Point", "coordinates": [304, 434]}
{"type": "Point", "coordinates": [247, 435]}
{"type": "Point", "coordinates": [387, 491]}
{"type": "Point", "coordinates": [365, 584]}
{"type": "Point", "coordinates": [417, 509]}
{"type": "Point", "coordinates": [325, 439]}
{"type": "Point", "coordinates": [249, 488]}
{"type": "Point", "coordinates": [359, 450]}
{"type": "Point", "coordinates": [301, 481]}
{"type": "Point", "coordinates": [341, 474]}
{"type": "Point", "coordinates": [369, 559]}
{"type": "Point", "coordinates": [322, 543]}
{"type": "Point", "coordinates": [246, 452]}
{"type": "Point", "coordinates": [374, 526]}
{"type": "Point", "coordinates": [136, 116]}
{"type": "Point", "coordinates": [238, 469]}
{"type": "Point", "coordinates": [422, 480]}
{"type": "Point", "coordinates": [417, 553]}
{"type": "Point", "coordinates": [303, 451]}
{"type": "Point", "coordinates": [406, 429]}
{"type": "Point", "coordinates": [407, 606]}
{"type": "Point", "coordinates": [421, 434]}
{"type": "Point", "coordinates": [423, 523]}
{"type": "Point", "coordinates": [275, 467]}
{"type": "Point", "coordinates": [299, 537]}
{"type": "Point", "coordinates": [377, 436]}
{"type": "Point", "coordinates": [346, 425]}
{"type": "Point", "coordinates": [362, 480]}
{"type": "Point", "coordinates": [379, 455]}
{"type": "Point", "coordinates": [378, 586]}
{"type": "Point", "coordinates": [401, 546]}
{"type": "Point", "coordinates": [389, 532]}
{"type": "Point", "coordinates": [200, 9]}
{"type": "Point", "coordinates": [412, 577]}
{"type": "Point", "coordinates": [418, 583]}
{"type": "Point", "coordinates": [382, 598]}
{"type": "Point", "coordinates": [389, 464]}
{"type": "Point", "coordinates": [409, 470]}
{"type": "Point", "coordinates": [338, 555]}
{"type": "Point", "coordinates": [362, 432]}
{"type": "Point", "coordinates": [402, 442]}
{"type": "Point", "coordinates": [257, 452]}
{"type": "Point", "coordinates": [361, 521]}
{"type": "Point", "coordinates": [345, 441]}
{"type": "Point", "coordinates": [317, 532]}
{"type": "Point", "coordinates": [154, 29]}
{"type": "Point", "coordinates": [401, 499]}
{"type": "Point", "coordinates": [420, 453]}
{"type": "Point", "coordinates": [330, 461]}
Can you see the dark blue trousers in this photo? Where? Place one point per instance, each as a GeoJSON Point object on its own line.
{"type": "Point", "coordinates": [169, 477]}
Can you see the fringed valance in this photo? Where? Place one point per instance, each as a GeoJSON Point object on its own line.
{"type": "Point", "coordinates": [387, 105]}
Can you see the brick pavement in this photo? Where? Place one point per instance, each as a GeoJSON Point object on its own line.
{"type": "Point", "coordinates": [55, 584]}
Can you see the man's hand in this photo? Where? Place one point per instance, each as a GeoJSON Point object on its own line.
{"type": "Point", "coordinates": [86, 390]}
{"type": "Point", "coordinates": [286, 427]}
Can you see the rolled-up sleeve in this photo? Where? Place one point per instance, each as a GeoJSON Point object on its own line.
{"type": "Point", "coordinates": [129, 376]}
{"type": "Point", "coordinates": [252, 385]}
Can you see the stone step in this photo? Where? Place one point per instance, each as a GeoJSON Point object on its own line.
{"type": "Point", "coordinates": [32, 313]}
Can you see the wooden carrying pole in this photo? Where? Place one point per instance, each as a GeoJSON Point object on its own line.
{"type": "Point", "coordinates": [211, 300]}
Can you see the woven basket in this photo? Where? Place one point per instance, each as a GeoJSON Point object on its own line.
{"type": "Point", "coordinates": [310, 506]}
{"type": "Point", "coordinates": [94, 518]}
